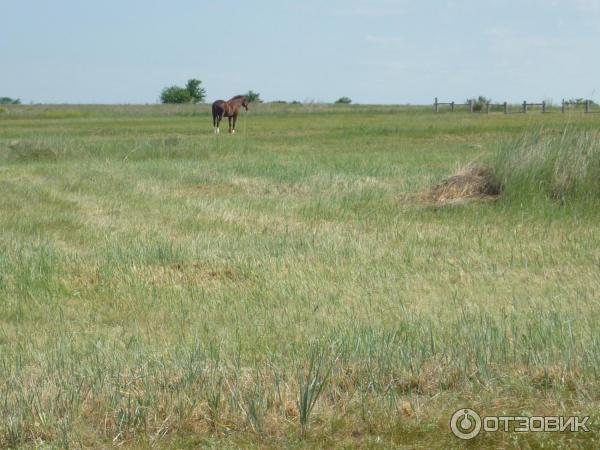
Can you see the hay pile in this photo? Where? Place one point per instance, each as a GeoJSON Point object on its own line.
{"type": "Point", "coordinates": [472, 182]}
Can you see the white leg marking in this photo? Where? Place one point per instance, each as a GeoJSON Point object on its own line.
{"type": "Point", "coordinates": [232, 131]}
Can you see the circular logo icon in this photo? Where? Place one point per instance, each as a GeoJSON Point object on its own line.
{"type": "Point", "coordinates": [465, 424]}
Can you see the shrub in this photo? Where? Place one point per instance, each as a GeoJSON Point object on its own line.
{"type": "Point", "coordinates": [479, 102]}
{"type": "Point", "coordinates": [191, 93]}
{"type": "Point", "coordinates": [577, 102]}
{"type": "Point", "coordinates": [343, 101]}
{"type": "Point", "coordinates": [175, 94]}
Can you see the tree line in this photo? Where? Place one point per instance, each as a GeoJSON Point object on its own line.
{"type": "Point", "coordinates": [193, 92]}
{"type": "Point", "coordinates": [9, 101]}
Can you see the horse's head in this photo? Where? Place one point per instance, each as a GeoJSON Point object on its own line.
{"type": "Point", "coordinates": [239, 100]}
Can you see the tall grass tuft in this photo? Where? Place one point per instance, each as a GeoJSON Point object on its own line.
{"type": "Point", "coordinates": [311, 385]}
{"type": "Point", "coordinates": [560, 164]}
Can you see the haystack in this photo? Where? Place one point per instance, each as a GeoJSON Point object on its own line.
{"type": "Point", "coordinates": [472, 182]}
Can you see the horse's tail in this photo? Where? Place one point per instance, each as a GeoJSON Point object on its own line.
{"type": "Point", "coordinates": [214, 113]}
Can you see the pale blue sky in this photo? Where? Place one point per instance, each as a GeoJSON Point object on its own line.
{"type": "Point", "coordinates": [377, 51]}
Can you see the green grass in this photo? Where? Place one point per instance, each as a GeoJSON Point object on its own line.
{"type": "Point", "coordinates": [560, 164]}
{"type": "Point", "coordinates": [279, 288]}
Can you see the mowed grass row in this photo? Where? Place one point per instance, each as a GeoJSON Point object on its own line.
{"type": "Point", "coordinates": [160, 285]}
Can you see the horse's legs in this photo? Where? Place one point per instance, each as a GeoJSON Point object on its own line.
{"type": "Point", "coordinates": [234, 121]}
{"type": "Point", "coordinates": [219, 118]}
{"type": "Point", "coordinates": [229, 123]}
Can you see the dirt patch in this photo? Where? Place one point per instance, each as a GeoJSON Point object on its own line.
{"type": "Point", "coordinates": [226, 273]}
{"type": "Point", "coordinates": [472, 182]}
{"type": "Point", "coordinates": [214, 189]}
{"type": "Point", "coordinates": [247, 186]}
{"type": "Point", "coordinates": [194, 273]}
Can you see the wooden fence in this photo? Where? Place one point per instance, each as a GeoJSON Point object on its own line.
{"type": "Point", "coordinates": [524, 107]}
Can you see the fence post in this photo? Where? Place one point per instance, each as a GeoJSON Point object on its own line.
{"type": "Point", "coordinates": [544, 107]}
{"type": "Point", "coordinates": [435, 105]}
{"type": "Point", "coordinates": [562, 108]}
{"type": "Point", "coordinates": [487, 108]}
{"type": "Point", "coordinates": [470, 105]}
{"type": "Point", "coordinates": [587, 106]}
{"type": "Point", "coordinates": [505, 108]}
{"type": "Point", "coordinates": [452, 106]}
{"type": "Point", "coordinates": [525, 107]}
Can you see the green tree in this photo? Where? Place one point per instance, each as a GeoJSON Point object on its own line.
{"type": "Point", "coordinates": [9, 101]}
{"type": "Point", "coordinates": [343, 101]}
{"type": "Point", "coordinates": [253, 97]}
{"type": "Point", "coordinates": [175, 94]}
{"type": "Point", "coordinates": [197, 92]}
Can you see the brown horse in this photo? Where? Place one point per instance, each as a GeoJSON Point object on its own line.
{"type": "Point", "coordinates": [229, 109]}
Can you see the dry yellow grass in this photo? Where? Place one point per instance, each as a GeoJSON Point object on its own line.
{"type": "Point", "coordinates": [471, 182]}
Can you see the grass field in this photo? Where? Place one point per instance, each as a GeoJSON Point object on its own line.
{"type": "Point", "coordinates": [283, 287]}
